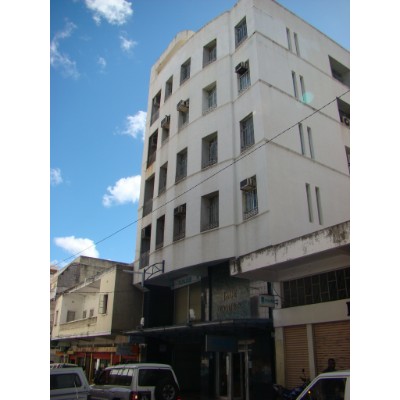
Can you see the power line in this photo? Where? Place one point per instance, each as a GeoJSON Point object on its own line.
{"type": "Point", "coordinates": [209, 177]}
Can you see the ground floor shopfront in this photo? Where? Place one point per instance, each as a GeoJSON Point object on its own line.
{"type": "Point", "coordinates": [225, 359]}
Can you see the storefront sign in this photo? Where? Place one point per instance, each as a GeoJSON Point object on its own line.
{"type": "Point", "coordinates": [185, 281]}
{"type": "Point", "coordinates": [124, 350]}
{"type": "Point", "coordinates": [266, 300]}
{"type": "Point", "coordinates": [221, 343]}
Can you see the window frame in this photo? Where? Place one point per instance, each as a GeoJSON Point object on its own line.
{"type": "Point", "coordinates": [240, 32]}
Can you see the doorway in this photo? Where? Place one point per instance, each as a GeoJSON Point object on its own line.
{"type": "Point", "coordinates": [231, 375]}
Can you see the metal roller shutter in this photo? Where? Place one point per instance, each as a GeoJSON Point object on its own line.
{"type": "Point", "coordinates": [296, 354]}
{"type": "Point", "coordinates": [332, 340]}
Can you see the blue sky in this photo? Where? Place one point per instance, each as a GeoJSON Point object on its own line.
{"type": "Point", "coordinates": [101, 53]}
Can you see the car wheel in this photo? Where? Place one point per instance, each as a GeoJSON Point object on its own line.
{"type": "Point", "coordinates": [166, 390]}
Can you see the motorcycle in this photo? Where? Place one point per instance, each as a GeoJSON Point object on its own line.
{"type": "Point", "coordinates": [291, 394]}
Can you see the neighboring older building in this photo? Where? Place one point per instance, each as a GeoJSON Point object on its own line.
{"type": "Point", "coordinates": [244, 208]}
{"type": "Point", "coordinates": [91, 317]}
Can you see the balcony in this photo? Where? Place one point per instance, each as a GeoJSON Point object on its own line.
{"type": "Point", "coordinates": [78, 327]}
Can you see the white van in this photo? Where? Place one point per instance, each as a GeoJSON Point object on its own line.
{"type": "Point", "coordinates": [141, 381]}
{"type": "Point", "coordinates": [328, 386]}
{"type": "Point", "coordinates": [69, 384]}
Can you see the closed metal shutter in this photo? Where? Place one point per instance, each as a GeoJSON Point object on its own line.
{"type": "Point", "coordinates": [296, 355]}
{"type": "Point", "coordinates": [332, 340]}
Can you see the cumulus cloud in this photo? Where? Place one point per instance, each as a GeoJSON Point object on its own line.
{"type": "Point", "coordinates": [127, 44]}
{"type": "Point", "coordinates": [62, 61]}
{"type": "Point", "coordinates": [115, 12]}
{"type": "Point", "coordinates": [125, 190]}
{"type": "Point", "coordinates": [73, 245]}
{"type": "Point", "coordinates": [102, 63]}
{"type": "Point", "coordinates": [55, 176]}
{"type": "Point", "coordinates": [135, 125]}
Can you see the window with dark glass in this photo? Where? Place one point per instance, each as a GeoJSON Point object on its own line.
{"type": "Point", "coordinates": [246, 132]}
{"type": "Point", "coordinates": [210, 52]}
{"type": "Point", "coordinates": [240, 32]}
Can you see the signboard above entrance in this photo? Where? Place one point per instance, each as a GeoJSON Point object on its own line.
{"type": "Point", "coordinates": [185, 280]}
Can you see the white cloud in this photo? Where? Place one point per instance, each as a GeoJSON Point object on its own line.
{"type": "Point", "coordinates": [59, 60]}
{"type": "Point", "coordinates": [127, 44]}
{"type": "Point", "coordinates": [73, 245]}
{"type": "Point", "coordinates": [55, 176]}
{"type": "Point", "coordinates": [115, 12]}
{"type": "Point", "coordinates": [125, 190]}
{"type": "Point", "coordinates": [102, 62]}
{"type": "Point", "coordinates": [136, 124]}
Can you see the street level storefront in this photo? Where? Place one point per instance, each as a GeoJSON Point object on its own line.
{"type": "Point", "coordinates": [230, 359]}
{"type": "Point", "coordinates": [96, 356]}
{"type": "Point", "coordinates": [214, 329]}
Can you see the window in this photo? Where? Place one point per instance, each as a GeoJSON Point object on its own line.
{"type": "Point", "coordinates": [162, 182]}
{"type": "Point", "coordinates": [243, 73]}
{"type": "Point", "coordinates": [183, 117]}
{"type": "Point", "coordinates": [329, 286]}
{"type": "Point", "coordinates": [145, 246]}
{"type": "Point", "coordinates": [303, 150]}
{"type": "Point", "coordinates": [152, 377]}
{"type": "Point", "coordinates": [347, 149]}
{"type": "Point", "coordinates": [148, 196]}
{"type": "Point", "coordinates": [289, 41]}
{"type": "Point", "coordinates": [210, 52]}
{"type": "Point", "coordinates": [168, 88]}
{"type": "Point", "coordinates": [152, 148]}
{"type": "Point", "coordinates": [64, 381]}
{"type": "Point", "coordinates": [296, 43]}
{"type": "Point", "coordinates": [344, 112]}
{"type": "Point", "coordinates": [294, 84]}
{"type": "Point", "coordinates": [246, 132]}
{"type": "Point", "coordinates": [240, 32]}
{"type": "Point", "coordinates": [84, 314]}
{"type": "Point", "coordinates": [165, 124]}
{"type": "Point", "coordinates": [160, 232]}
{"type": "Point", "coordinates": [309, 203]}
{"type": "Point", "coordinates": [249, 197]}
{"type": "Point", "coordinates": [339, 71]}
{"type": "Point", "coordinates": [319, 207]}
{"type": "Point", "coordinates": [56, 318]}
{"type": "Point", "coordinates": [181, 165]}
{"type": "Point", "coordinates": [310, 142]}
{"type": "Point", "coordinates": [210, 211]}
{"type": "Point", "coordinates": [185, 71]}
{"type": "Point", "coordinates": [103, 303]}
{"type": "Point", "coordinates": [91, 312]}
{"type": "Point", "coordinates": [209, 98]}
{"type": "Point", "coordinates": [155, 107]}
{"type": "Point", "coordinates": [180, 222]}
{"type": "Point", "coordinates": [303, 90]}
{"type": "Point", "coordinates": [210, 150]}
{"type": "Point", "coordinates": [70, 316]}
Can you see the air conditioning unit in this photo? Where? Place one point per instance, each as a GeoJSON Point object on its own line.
{"type": "Point", "coordinates": [248, 184]}
{"type": "Point", "coordinates": [165, 121]}
{"type": "Point", "coordinates": [180, 210]}
{"type": "Point", "coordinates": [345, 120]}
{"type": "Point", "coordinates": [183, 105]}
{"type": "Point", "coordinates": [241, 68]}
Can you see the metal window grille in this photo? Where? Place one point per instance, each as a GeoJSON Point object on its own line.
{"type": "Point", "coordinates": [247, 133]}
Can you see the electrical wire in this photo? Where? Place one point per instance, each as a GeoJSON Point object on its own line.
{"type": "Point", "coordinates": [266, 141]}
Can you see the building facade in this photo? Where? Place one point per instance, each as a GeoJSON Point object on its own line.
{"type": "Point", "coordinates": [91, 317]}
{"type": "Point", "coordinates": [243, 240]}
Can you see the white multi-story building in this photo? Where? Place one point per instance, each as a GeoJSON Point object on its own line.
{"type": "Point", "coordinates": [243, 237]}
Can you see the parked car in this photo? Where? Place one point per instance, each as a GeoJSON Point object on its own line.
{"type": "Point", "coordinates": [62, 365]}
{"type": "Point", "coordinates": [141, 381]}
{"type": "Point", "coordinates": [69, 384]}
{"type": "Point", "coordinates": [328, 386]}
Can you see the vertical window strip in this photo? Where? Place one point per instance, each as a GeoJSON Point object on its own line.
{"type": "Point", "coordinates": [289, 41]}
{"type": "Point", "coordinates": [296, 43]}
{"type": "Point", "coordinates": [294, 84]}
{"type": "Point", "coordinates": [309, 203]}
{"type": "Point", "coordinates": [310, 142]}
{"type": "Point", "coordinates": [319, 209]}
{"type": "Point", "coordinates": [303, 150]}
{"type": "Point", "coordinates": [303, 89]}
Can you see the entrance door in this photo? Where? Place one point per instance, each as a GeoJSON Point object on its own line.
{"type": "Point", "coordinates": [230, 375]}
